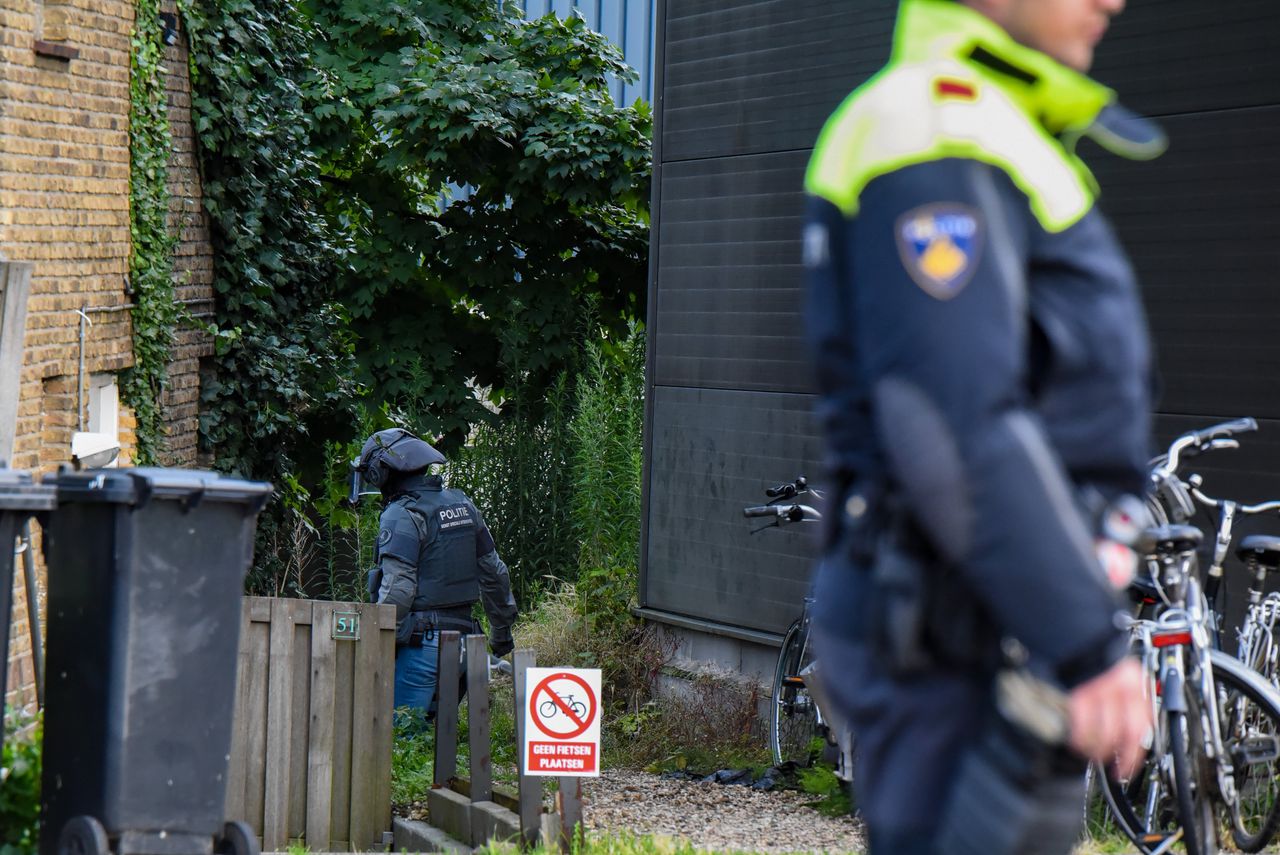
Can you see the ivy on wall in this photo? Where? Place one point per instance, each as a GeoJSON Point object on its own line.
{"type": "Point", "coordinates": [155, 313]}
{"type": "Point", "coordinates": [283, 368]}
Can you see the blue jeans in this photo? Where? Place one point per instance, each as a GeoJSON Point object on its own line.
{"type": "Point", "coordinates": [416, 676]}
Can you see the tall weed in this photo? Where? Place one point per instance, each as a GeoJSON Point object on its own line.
{"type": "Point", "coordinates": [607, 462]}
{"type": "Point", "coordinates": [517, 471]}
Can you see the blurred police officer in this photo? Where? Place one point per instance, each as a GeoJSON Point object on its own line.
{"type": "Point", "coordinates": [435, 559]}
{"type": "Point", "coordinates": [984, 364]}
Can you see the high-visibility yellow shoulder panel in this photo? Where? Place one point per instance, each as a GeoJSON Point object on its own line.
{"type": "Point", "coordinates": [920, 112]}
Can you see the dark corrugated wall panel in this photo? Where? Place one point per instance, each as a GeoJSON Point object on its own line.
{"type": "Point", "coordinates": [1202, 225]}
{"type": "Point", "coordinates": [747, 87]}
{"type": "Point", "coordinates": [1183, 56]}
{"type": "Point", "coordinates": [756, 76]}
{"type": "Point", "coordinates": [714, 452]}
{"type": "Point", "coordinates": [730, 289]}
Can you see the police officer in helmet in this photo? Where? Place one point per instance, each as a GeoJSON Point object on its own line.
{"type": "Point", "coordinates": [984, 373]}
{"type": "Point", "coordinates": [435, 558]}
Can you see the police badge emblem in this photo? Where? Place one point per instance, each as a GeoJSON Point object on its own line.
{"type": "Point", "coordinates": [940, 245]}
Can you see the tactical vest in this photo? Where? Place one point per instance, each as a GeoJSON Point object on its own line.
{"type": "Point", "coordinates": [447, 571]}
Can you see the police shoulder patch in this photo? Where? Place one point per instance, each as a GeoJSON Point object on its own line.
{"type": "Point", "coordinates": [384, 537]}
{"type": "Point", "coordinates": [940, 245]}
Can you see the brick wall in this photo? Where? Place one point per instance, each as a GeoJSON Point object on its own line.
{"type": "Point", "coordinates": [193, 264]}
{"type": "Point", "coordinates": [64, 205]}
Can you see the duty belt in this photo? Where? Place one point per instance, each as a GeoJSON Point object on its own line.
{"type": "Point", "coordinates": [427, 622]}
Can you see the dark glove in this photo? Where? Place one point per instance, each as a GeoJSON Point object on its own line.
{"type": "Point", "coordinates": [374, 583]}
{"type": "Point", "coordinates": [501, 647]}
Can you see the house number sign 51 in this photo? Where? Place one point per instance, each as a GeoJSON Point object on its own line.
{"type": "Point", "coordinates": [346, 626]}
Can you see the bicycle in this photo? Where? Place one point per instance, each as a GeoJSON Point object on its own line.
{"type": "Point", "coordinates": [795, 715]}
{"type": "Point", "coordinates": [1257, 816]}
{"type": "Point", "coordinates": [548, 708]}
{"type": "Point", "coordinates": [1215, 717]}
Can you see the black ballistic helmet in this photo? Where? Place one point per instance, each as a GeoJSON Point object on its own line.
{"type": "Point", "coordinates": [394, 450]}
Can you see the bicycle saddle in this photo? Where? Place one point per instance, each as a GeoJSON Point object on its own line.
{"type": "Point", "coordinates": [1262, 548]}
{"type": "Point", "coordinates": [1169, 540]}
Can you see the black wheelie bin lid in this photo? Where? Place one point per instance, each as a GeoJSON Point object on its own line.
{"type": "Point", "coordinates": [18, 492]}
{"type": "Point", "coordinates": [139, 485]}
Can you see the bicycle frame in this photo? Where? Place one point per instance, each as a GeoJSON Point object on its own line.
{"type": "Point", "coordinates": [1176, 646]}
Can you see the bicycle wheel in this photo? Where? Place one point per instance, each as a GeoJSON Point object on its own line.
{"type": "Point", "coordinates": [793, 722]}
{"type": "Point", "coordinates": [1249, 713]}
{"type": "Point", "coordinates": [1143, 805]}
{"type": "Point", "coordinates": [1195, 808]}
{"type": "Point", "coordinates": [1149, 807]}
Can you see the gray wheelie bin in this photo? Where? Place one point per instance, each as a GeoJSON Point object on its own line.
{"type": "Point", "coordinates": [146, 571]}
{"type": "Point", "coordinates": [20, 499]}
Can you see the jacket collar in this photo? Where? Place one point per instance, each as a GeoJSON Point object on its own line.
{"type": "Point", "coordinates": [1060, 98]}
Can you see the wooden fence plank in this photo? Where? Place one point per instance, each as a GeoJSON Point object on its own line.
{"type": "Point", "coordinates": [344, 702]}
{"type": "Point", "coordinates": [365, 712]}
{"type": "Point", "coordinates": [446, 765]}
{"type": "Point", "coordinates": [530, 786]}
{"type": "Point", "coordinates": [275, 835]}
{"type": "Point", "coordinates": [478, 718]}
{"type": "Point", "coordinates": [260, 609]}
{"type": "Point", "coordinates": [259, 644]}
{"type": "Point", "coordinates": [383, 730]}
{"type": "Point", "coordinates": [237, 770]}
{"type": "Point", "coordinates": [299, 725]}
{"type": "Point", "coordinates": [321, 736]}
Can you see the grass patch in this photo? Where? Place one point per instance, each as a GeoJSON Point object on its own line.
{"type": "Point", "coordinates": [834, 798]}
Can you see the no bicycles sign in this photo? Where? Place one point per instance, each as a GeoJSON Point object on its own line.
{"type": "Point", "coordinates": [562, 722]}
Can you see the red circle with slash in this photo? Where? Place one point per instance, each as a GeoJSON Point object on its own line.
{"type": "Point", "coordinates": [536, 699]}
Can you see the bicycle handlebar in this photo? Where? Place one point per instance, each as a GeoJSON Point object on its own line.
{"type": "Point", "coordinates": [787, 491]}
{"type": "Point", "coordinates": [783, 513]}
{"type": "Point", "coordinates": [1206, 439]}
{"type": "Point", "coordinates": [1225, 429]}
{"type": "Point", "coordinates": [1193, 484]}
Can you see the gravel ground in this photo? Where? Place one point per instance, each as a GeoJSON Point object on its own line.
{"type": "Point", "coordinates": [714, 816]}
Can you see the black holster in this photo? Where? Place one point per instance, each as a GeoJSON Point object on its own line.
{"type": "Point", "coordinates": [921, 614]}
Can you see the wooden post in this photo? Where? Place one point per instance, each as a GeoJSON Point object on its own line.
{"type": "Point", "coordinates": [530, 786]}
{"type": "Point", "coordinates": [15, 287]}
{"type": "Point", "coordinates": [321, 735]}
{"type": "Point", "coordinates": [446, 766]}
{"type": "Point", "coordinates": [275, 832]}
{"type": "Point", "coordinates": [569, 802]}
{"type": "Point", "coordinates": [478, 718]}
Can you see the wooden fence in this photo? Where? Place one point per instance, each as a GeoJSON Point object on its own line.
{"type": "Point", "coordinates": [311, 747]}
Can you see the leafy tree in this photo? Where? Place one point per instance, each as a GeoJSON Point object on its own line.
{"type": "Point", "coordinates": [489, 192]}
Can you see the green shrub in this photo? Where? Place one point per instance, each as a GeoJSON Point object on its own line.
{"type": "Point", "coordinates": [20, 784]}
